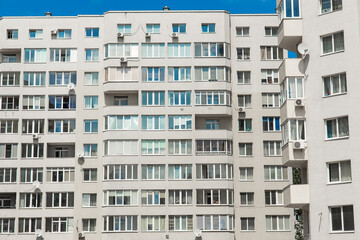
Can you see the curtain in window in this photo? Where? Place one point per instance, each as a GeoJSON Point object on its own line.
{"type": "Point", "coordinates": [331, 128]}
{"type": "Point", "coordinates": [339, 41]}
{"type": "Point", "coordinates": [327, 44]}
{"type": "Point", "coordinates": [327, 87]}
{"type": "Point", "coordinates": [292, 88]}
{"type": "Point", "coordinates": [345, 171]}
{"type": "Point", "coordinates": [336, 219]}
{"type": "Point", "coordinates": [268, 223]}
{"type": "Point", "coordinates": [348, 216]}
{"type": "Point", "coordinates": [343, 127]}
{"type": "Point", "coordinates": [301, 129]}
{"type": "Point", "coordinates": [299, 88]}
{"type": "Point", "coordinates": [334, 172]}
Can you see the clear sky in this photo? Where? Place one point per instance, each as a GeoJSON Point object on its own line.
{"type": "Point", "coordinates": [76, 7]}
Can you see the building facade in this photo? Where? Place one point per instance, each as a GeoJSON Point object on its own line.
{"type": "Point", "coordinates": [157, 125]}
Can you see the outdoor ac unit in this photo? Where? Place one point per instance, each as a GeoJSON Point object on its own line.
{"type": "Point", "coordinates": [35, 136]}
{"type": "Point", "coordinates": [81, 234]}
{"type": "Point", "coordinates": [54, 32]}
{"type": "Point", "coordinates": [147, 35]}
{"type": "Point", "coordinates": [123, 59]}
{"type": "Point", "coordinates": [80, 155]}
{"type": "Point", "coordinates": [120, 35]}
{"type": "Point", "coordinates": [299, 145]}
{"type": "Point", "coordinates": [38, 233]}
{"type": "Point", "coordinates": [241, 109]}
{"type": "Point", "coordinates": [175, 35]}
{"type": "Point", "coordinates": [299, 102]}
{"type": "Point", "coordinates": [197, 233]}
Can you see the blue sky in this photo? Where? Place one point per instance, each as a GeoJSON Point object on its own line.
{"type": "Point", "coordinates": [75, 7]}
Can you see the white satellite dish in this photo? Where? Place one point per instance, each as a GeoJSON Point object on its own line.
{"type": "Point", "coordinates": [197, 233]}
{"type": "Point", "coordinates": [38, 233]}
{"type": "Point", "coordinates": [36, 184]}
{"type": "Point", "coordinates": [70, 85]}
{"type": "Point", "coordinates": [80, 154]}
{"type": "Point", "coordinates": [303, 49]}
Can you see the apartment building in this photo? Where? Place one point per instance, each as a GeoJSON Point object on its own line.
{"type": "Point", "coordinates": [142, 125]}
{"type": "Point", "coordinates": [318, 113]}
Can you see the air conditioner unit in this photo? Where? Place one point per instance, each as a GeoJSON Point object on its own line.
{"type": "Point", "coordinates": [120, 35]}
{"type": "Point", "coordinates": [299, 102]}
{"type": "Point", "coordinates": [299, 145]}
{"type": "Point", "coordinates": [241, 109]}
{"type": "Point", "coordinates": [35, 136]}
{"type": "Point", "coordinates": [175, 35]}
{"type": "Point", "coordinates": [81, 234]}
{"type": "Point", "coordinates": [197, 233]}
{"type": "Point", "coordinates": [147, 35]}
{"type": "Point", "coordinates": [80, 154]}
{"type": "Point", "coordinates": [36, 184]}
{"type": "Point", "coordinates": [38, 233]}
{"type": "Point", "coordinates": [54, 32]}
{"type": "Point", "coordinates": [123, 59]}
{"type": "Point", "coordinates": [70, 85]}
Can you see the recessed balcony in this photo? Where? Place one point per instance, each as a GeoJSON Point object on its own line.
{"type": "Point", "coordinates": [294, 154]}
{"type": "Point", "coordinates": [297, 196]}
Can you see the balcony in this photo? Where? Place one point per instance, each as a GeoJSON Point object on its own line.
{"type": "Point", "coordinates": [7, 201]}
{"type": "Point", "coordinates": [291, 67]}
{"type": "Point", "coordinates": [62, 150]}
{"type": "Point", "coordinates": [297, 196]}
{"type": "Point", "coordinates": [294, 154]}
{"type": "Point", "coordinates": [290, 33]}
{"type": "Point", "coordinates": [292, 108]}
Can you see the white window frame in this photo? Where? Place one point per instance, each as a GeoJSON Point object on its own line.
{"type": "Point", "coordinates": [29, 225]}
{"type": "Point", "coordinates": [183, 74]}
{"type": "Point", "coordinates": [51, 198]}
{"type": "Point", "coordinates": [273, 50]}
{"type": "Point", "coordinates": [223, 98]}
{"type": "Point", "coordinates": [124, 28]}
{"type": "Point", "coordinates": [91, 78]}
{"type": "Point", "coordinates": [332, 79]}
{"type": "Point", "coordinates": [340, 166]}
{"type": "Point", "coordinates": [153, 223]}
{"type": "Point", "coordinates": [64, 34]}
{"type": "Point", "coordinates": [337, 128]}
{"type": "Point", "coordinates": [10, 79]}
{"type": "Point", "coordinates": [244, 77]}
{"type": "Point", "coordinates": [153, 74]}
{"type": "Point", "coordinates": [34, 79]}
{"type": "Point", "coordinates": [36, 150]}
{"type": "Point", "coordinates": [271, 31]}
{"type": "Point", "coordinates": [126, 147]}
{"type": "Point", "coordinates": [269, 76]}
{"type": "Point", "coordinates": [242, 31]}
{"type": "Point", "coordinates": [70, 124]}
{"type": "Point", "coordinates": [90, 175]}
{"type": "Point", "coordinates": [270, 100]}
{"type": "Point", "coordinates": [33, 102]}
{"type": "Point", "coordinates": [118, 50]}
{"type": "Point", "coordinates": [10, 102]}
{"type": "Point", "coordinates": [9, 126]}
{"type": "Point", "coordinates": [215, 222]}
{"type": "Point", "coordinates": [153, 28]}
{"type": "Point", "coordinates": [153, 50]}
{"type": "Point", "coordinates": [120, 198]}
{"type": "Point", "coordinates": [333, 50]}
{"type": "Point", "coordinates": [152, 197]}
{"type": "Point", "coordinates": [180, 172]}
{"type": "Point", "coordinates": [180, 147]}
{"type": "Point", "coordinates": [247, 124]}
{"type": "Point", "coordinates": [215, 196]}
{"type": "Point", "coordinates": [212, 74]}
{"type": "Point", "coordinates": [68, 221]}
{"type": "Point", "coordinates": [62, 78]}
{"type": "Point", "coordinates": [29, 175]}
{"type": "Point", "coordinates": [247, 172]}
{"type": "Point", "coordinates": [91, 102]}
{"type": "Point", "coordinates": [91, 54]}
{"type": "Point", "coordinates": [6, 147]}
{"type": "Point", "coordinates": [153, 147]}
{"type": "Point", "coordinates": [180, 122]}
{"type": "Point", "coordinates": [67, 174]}
{"type": "Point", "coordinates": [89, 200]}
{"type": "Point", "coordinates": [280, 173]}
{"type": "Point", "coordinates": [243, 54]}
{"type": "Point", "coordinates": [121, 122]}
{"type": "Point", "coordinates": [279, 197]}
{"type": "Point", "coordinates": [32, 199]}
{"type": "Point", "coordinates": [245, 149]}
{"type": "Point", "coordinates": [272, 148]}
{"type": "Point", "coordinates": [342, 219]}
{"type": "Point", "coordinates": [89, 32]}
{"type": "Point", "coordinates": [214, 171]}
{"type": "Point", "coordinates": [63, 55]}
{"type": "Point", "coordinates": [89, 224]}
{"type": "Point", "coordinates": [214, 147]}
{"type": "Point", "coordinates": [8, 175]}
{"type": "Point", "coordinates": [35, 55]}
{"type": "Point", "coordinates": [93, 125]}
{"type": "Point", "coordinates": [180, 197]}
{"type": "Point", "coordinates": [283, 219]}
{"type": "Point", "coordinates": [179, 98]}
{"type": "Point", "coordinates": [246, 101]}
{"type": "Point", "coordinates": [247, 198]}
{"type": "Point", "coordinates": [155, 96]}
{"type": "Point", "coordinates": [329, 10]}
{"type": "Point", "coordinates": [153, 171]}
{"type": "Point", "coordinates": [180, 223]}
{"type": "Point", "coordinates": [292, 131]}
{"type": "Point", "coordinates": [131, 223]}
{"type": "Point", "coordinates": [122, 172]}
{"type": "Point", "coordinates": [179, 50]}
{"type": "Point", "coordinates": [247, 224]}
{"type": "Point", "coordinates": [8, 225]}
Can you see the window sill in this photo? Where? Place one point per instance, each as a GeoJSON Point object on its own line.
{"type": "Point", "coordinates": [334, 95]}
{"type": "Point", "coordinates": [246, 156]}
{"type": "Point", "coordinates": [245, 131]}
{"type": "Point", "coordinates": [331, 53]}
{"type": "Point", "coordinates": [341, 232]}
{"type": "Point", "coordinates": [243, 60]}
{"type": "Point", "coordinates": [278, 231]}
{"type": "Point", "coordinates": [274, 205]}
{"type": "Point", "coordinates": [243, 36]}
{"type": "Point", "coordinates": [247, 205]}
{"type": "Point", "coordinates": [337, 138]}
{"type": "Point", "coordinates": [267, 60]}
{"type": "Point", "coordinates": [337, 183]}
{"type": "Point", "coordinates": [246, 180]}
{"type": "Point", "coordinates": [242, 84]}
{"type": "Point", "coordinates": [27, 86]}
{"type": "Point", "coordinates": [329, 12]}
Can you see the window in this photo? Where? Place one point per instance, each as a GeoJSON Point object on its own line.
{"type": "Point", "coordinates": [153, 122]}
{"type": "Point", "coordinates": [271, 31]}
{"type": "Point", "coordinates": [215, 197]}
{"type": "Point", "coordinates": [152, 172]}
{"type": "Point", "coordinates": [243, 77]}
{"type": "Point", "coordinates": [243, 53]}
{"type": "Point", "coordinates": [217, 147]}
{"type": "Point", "coordinates": [91, 55]}
{"type": "Point", "coordinates": [8, 150]}
{"type": "Point", "coordinates": [339, 172]}
{"type": "Point", "coordinates": [274, 197]}
{"type": "Point", "coordinates": [342, 218]}
{"type": "Point", "coordinates": [245, 125]}
{"type": "Point", "coordinates": [208, 28]}
{"type": "Point", "coordinates": [10, 58]}
{"type": "Point", "coordinates": [36, 34]}
{"type": "Point", "coordinates": [277, 223]}
{"type": "Point", "coordinates": [212, 74]}
{"type": "Point", "coordinates": [59, 199]}
{"type": "Point", "coordinates": [271, 124]}
{"type": "Point", "coordinates": [91, 78]}
{"type": "Point", "coordinates": [180, 197]}
{"type": "Point", "coordinates": [269, 76]}
{"type": "Point", "coordinates": [180, 122]}
{"type": "Point", "coordinates": [215, 222]}
{"type": "Point", "coordinates": [90, 175]}
{"type": "Point", "coordinates": [34, 78]}
{"type": "Point", "coordinates": [247, 224]}
{"type": "Point", "coordinates": [272, 148]}
{"type": "Point", "coordinates": [121, 100]}
{"type": "Point", "coordinates": [89, 225]}
{"type": "Point", "coordinates": [271, 53]}
{"type": "Point", "coordinates": [270, 100]}
{"type": "Point", "coordinates": [30, 175]}
{"type": "Point", "coordinates": [8, 225]}
{"type": "Point", "coordinates": [153, 98]}
{"type": "Point", "coordinates": [120, 223]}
{"type": "Point", "coordinates": [90, 150]}
{"type": "Point", "coordinates": [289, 9]}
{"type": "Point", "coordinates": [153, 74]}
{"type": "Point", "coordinates": [180, 171]}
{"type": "Point", "coordinates": [179, 98]}
{"type": "Point", "coordinates": [12, 34]}
{"type": "Point", "coordinates": [242, 31]}
{"type": "Point", "coordinates": [212, 49]}
{"type": "Point", "coordinates": [246, 173]}
{"type": "Point", "coordinates": [333, 43]}
{"type": "Point", "coordinates": [9, 126]}
{"type": "Point", "coordinates": [61, 78]}
{"type": "Point", "coordinates": [122, 122]}
{"type": "Point", "coordinates": [246, 198]}
{"type": "Point", "coordinates": [9, 102]}
{"type": "Point", "coordinates": [62, 126]}
{"type": "Point", "coordinates": [292, 88]}
{"type": "Point", "coordinates": [89, 200]}
{"type": "Point", "coordinates": [179, 28]}
{"type": "Point", "coordinates": [153, 197]}
{"type": "Point", "coordinates": [152, 223]}
{"type": "Point", "coordinates": [91, 102]}
{"type": "Point", "coordinates": [9, 79]}
{"type": "Point", "coordinates": [152, 147]}
{"type": "Point", "coordinates": [153, 50]}
{"type": "Point", "coordinates": [63, 224]}
{"type": "Point", "coordinates": [212, 124]}
{"type": "Point", "coordinates": [245, 149]}
{"type": "Point", "coordinates": [212, 98]}
{"type": "Point", "coordinates": [35, 55]}
{"type": "Point", "coordinates": [63, 55]}
{"type": "Point", "coordinates": [30, 200]}
{"type": "Point", "coordinates": [7, 175]}
{"type": "Point", "coordinates": [179, 74]}
{"type": "Point", "coordinates": [337, 127]}
{"type": "Point", "coordinates": [92, 32]}
{"type": "Point", "coordinates": [33, 102]}
{"type": "Point", "coordinates": [124, 28]}
{"type": "Point", "coordinates": [335, 84]}
{"type": "Point", "coordinates": [330, 5]}
{"type": "Point", "coordinates": [90, 126]}
{"type": "Point", "coordinates": [180, 147]}
{"type": "Point", "coordinates": [62, 102]}
{"type": "Point", "coordinates": [30, 150]}
{"type": "Point", "coordinates": [293, 130]}
{"type": "Point", "coordinates": [32, 126]}
{"type": "Point", "coordinates": [274, 173]}
{"type": "Point", "coordinates": [180, 223]}
{"type": "Point", "coordinates": [121, 172]}
{"type": "Point", "coordinates": [214, 171]}
{"type": "Point", "coordinates": [178, 50]}
{"type": "Point", "coordinates": [29, 225]}
{"type": "Point", "coordinates": [244, 101]}
{"type": "Point", "coordinates": [118, 50]}
{"type": "Point", "coordinates": [64, 34]}
{"type": "Point", "coordinates": [60, 175]}
{"type": "Point", "coordinates": [121, 147]}
{"type": "Point", "coordinates": [153, 28]}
